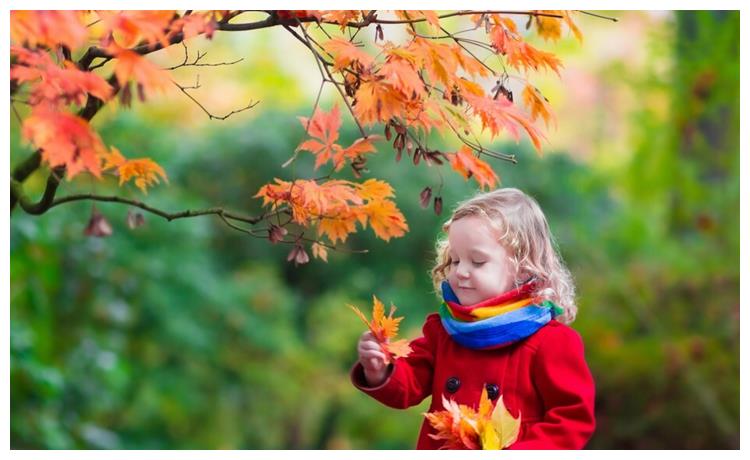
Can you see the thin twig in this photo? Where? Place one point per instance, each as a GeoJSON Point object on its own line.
{"type": "Point", "coordinates": [198, 57]}
{"type": "Point", "coordinates": [211, 116]}
{"type": "Point", "coordinates": [597, 15]}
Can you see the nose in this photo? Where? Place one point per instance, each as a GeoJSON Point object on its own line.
{"type": "Point", "coordinates": [462, 271]}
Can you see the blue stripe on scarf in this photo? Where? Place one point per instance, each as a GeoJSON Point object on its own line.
{"type": "Point", "coordinates": [496, 331]}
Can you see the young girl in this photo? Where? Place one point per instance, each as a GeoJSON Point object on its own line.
{"type": "Point", "coordinates": [502, 326]}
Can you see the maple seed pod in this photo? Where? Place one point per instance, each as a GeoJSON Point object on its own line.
{"type": "Point", "coordinates": [417, 155]}
{"type": "Point", "coordinates": [276, 233]}
{"type": "Point", "coordinates": [141, 93]}
{"type": "Point", "coordinates": [135, 219]}
{"type": "Point", "coordinates": [378, 33]}
{"type": "Point", "coordinates": [438, 205]}
{"type": "Point", "coordinates": [98, 225]}
{"type": "Point", "coordinates": [424, 197]}
{"type": "Point", "coordinates": [388, 132]}
{"type": "Point", "coordinates": [126, 96]}
{"type": "Point", "coordinates": [298, 255]}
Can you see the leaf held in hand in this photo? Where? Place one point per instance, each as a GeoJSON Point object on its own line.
{"type": "Point", "coordinates": [384, 328]}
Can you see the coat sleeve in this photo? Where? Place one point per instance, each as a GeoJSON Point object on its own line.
{"type": "Point", "coordinates": [565, 384]}
{"type": "Point", "coordinates": [410, 379]}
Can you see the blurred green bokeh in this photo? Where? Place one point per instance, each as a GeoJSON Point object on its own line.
{"type": "Point", "coordinates": [189, 335]}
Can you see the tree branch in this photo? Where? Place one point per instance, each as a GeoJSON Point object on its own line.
{"type": "Point", "coordinates": [47, 202]}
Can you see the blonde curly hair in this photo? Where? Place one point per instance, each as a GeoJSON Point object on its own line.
{"type": "Point", "coordinates": [522, 229]}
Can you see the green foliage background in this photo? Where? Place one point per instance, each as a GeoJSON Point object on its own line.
{"type": "Point", "coordinates": [191, 335]}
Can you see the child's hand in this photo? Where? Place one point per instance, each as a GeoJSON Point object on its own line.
{"type": "Point", "coordinates": [373, 360]}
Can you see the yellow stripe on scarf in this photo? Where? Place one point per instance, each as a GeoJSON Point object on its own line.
{"type": "Point", "coordinates": [487, 312]}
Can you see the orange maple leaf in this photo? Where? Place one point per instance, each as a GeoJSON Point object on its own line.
{"type": "Point", "coordinates": [377, 101]}
{"type": "Point", "coordinates": [130, 64]}
{"type": "Point", "coordinates": [385, 219]}
{"type": "Point", "coordinates": [51, 84]}
{"type": "Point", "coordinates": [324, 127]}
{"type": "Point", "coordinates": [342, 17]}
{"type": "Point", "coordinates": [145, 171]}
{"type": "Point", "coordinates": [437, 58]}
{"type": "Point", "coordinates": [345, 52]}
{"type": "Point", "coordinates": [65, 139]}
{"type": "Point", "coordinates": [519, 54]}
{"type": "Point", "coordinates": [384, 328]}
{"type": "Point", "coordinates": [130, 27]}
{"type": "Point", "coordinates": [465, 163]}
{"type": "Point", "coordinates": [404, 77]}
{"type": "Point", "coordinates": [498, 114]}
{"type": "Point", "coordinates": [538, 104]}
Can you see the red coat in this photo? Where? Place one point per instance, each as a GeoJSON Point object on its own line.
{"type": "Point", "coordinates": [544, 376]}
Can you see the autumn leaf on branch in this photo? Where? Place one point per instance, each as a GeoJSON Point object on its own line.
{"type": "Point", "coordinates": [538, 104]}
{"type": "Point", "coordinates": [468, 165]}
{"type": "Point", "coordinates": [488, 427]}
{"type": "Point", "coordinates": [145, 171]}
{"type": "Point", "coordinates": [324, 128]}
{"type": "Point", "coordinates": [384, 328]}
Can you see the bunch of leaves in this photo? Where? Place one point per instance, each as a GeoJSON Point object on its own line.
{"type": "Point", "coordinates": [421, 83]}
{"type": "Point", "coordinates": [59, 91]}
{"type": "Point", "coordinates": [334, 207]}
{"type": "Point", "coordinates": [462, 427]}
{"type": "Point", "coordinates": [384, 328]}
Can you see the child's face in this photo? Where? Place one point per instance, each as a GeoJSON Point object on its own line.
{"type": "Point", "coordinates": [480, 266]}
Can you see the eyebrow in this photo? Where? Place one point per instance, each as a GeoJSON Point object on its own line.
{"type": "Point", "coordinates": [473, 252]}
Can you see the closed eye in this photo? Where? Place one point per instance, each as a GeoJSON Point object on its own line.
{"type": "Point", "coordinates": [478, 264]}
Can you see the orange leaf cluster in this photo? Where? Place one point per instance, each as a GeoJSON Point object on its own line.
{"type": "Point", "coordinates": [53, 85]}
{"type": "Point", "coordinates": [550, 28]}
{"type": "Point", "coordinates": [463, 427]}
{"type": "Point", "coordinates": [335, 206]}
{"type": "Point", "coordinates": [384, 328]}
{"type": "Point", "coordinates": [48, 28]}
{"type": "Point", "coordinates": [324, 128]}
{"type": "Point", "coordinates": [519, 54]}
{"type": "Point", "coordinates": [468, 165]}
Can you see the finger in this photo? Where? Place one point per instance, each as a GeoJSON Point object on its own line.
{"type": "Point", "coordinates": [369, 345]}
{"type": "Point", "coordinates": [378, 357]}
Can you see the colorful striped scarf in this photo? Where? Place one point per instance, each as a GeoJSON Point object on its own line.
{"type": "Point", "coordinates": [495, 322]}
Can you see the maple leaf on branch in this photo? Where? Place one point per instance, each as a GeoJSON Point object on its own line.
{"type": "Point", "coordinates": [468, 165]}
{"type": "Point", "coordinates": [384, 328]}
{"type": "Point", "coordinates": [324, 128]}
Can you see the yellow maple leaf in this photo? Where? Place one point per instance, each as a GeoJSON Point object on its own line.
{"type": "Point", "coordinates": [538, 104]}
{"type": "Point", "coordinates": [145, 171]}
{"type": "Point", "coordinates": [385, 219]}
